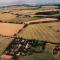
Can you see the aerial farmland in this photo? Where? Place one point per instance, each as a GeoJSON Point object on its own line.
{"type": "Point", "coordinates": [38, 26]}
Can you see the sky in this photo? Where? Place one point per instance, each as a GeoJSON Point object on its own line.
{"type": "Point", "coordinates": [31, 2]}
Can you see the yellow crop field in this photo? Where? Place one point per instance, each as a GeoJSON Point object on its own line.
{"type": "Point", "coordinates": [7, 17]}
{"type": "Point", "coordinates": [41, 32]}
{"type": "Point", "coordinates": [41, 20]}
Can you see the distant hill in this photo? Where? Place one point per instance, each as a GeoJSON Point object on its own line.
{"type": "Point", "coordinates": [27, 5]}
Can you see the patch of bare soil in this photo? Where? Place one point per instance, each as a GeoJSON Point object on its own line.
{"type": "Point", "coordinates": [8, 29]}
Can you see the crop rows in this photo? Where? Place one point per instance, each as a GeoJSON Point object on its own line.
{"type": "Point", "coordinates": [40, 32]}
